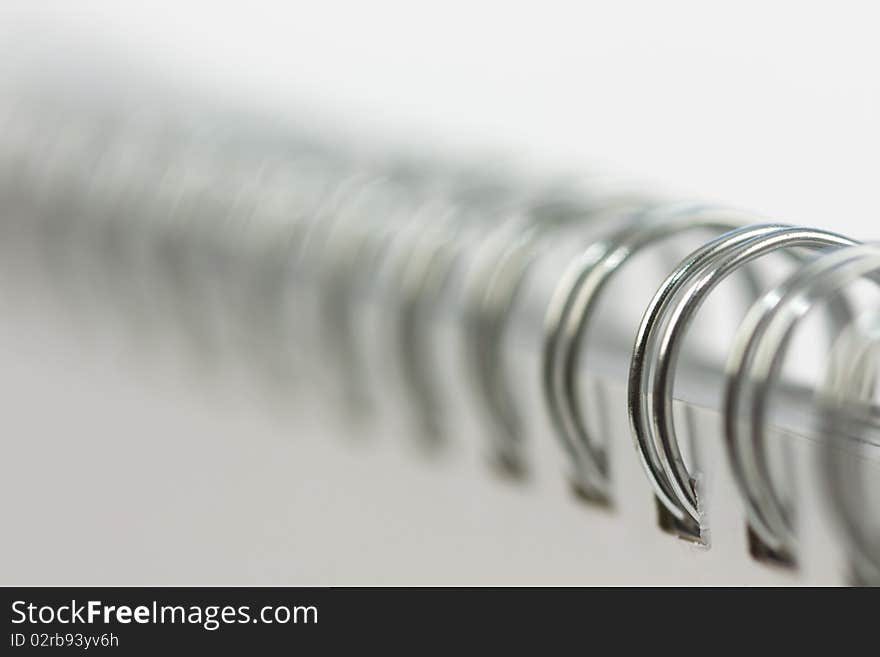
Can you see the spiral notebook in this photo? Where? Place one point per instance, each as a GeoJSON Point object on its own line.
{"type": "Point", "coordinates": [469, 373]}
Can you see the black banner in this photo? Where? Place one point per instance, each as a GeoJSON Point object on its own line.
{"type": "Point", "coordinates": [122, 621]}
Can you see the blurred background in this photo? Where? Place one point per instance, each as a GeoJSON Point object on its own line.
{"type": "Point", "coordinates": [121, 465]}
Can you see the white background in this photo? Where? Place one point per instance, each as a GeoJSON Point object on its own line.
{"type": "Point", "coordinates": [771, 106]}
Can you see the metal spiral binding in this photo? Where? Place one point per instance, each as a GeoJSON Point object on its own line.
{"type": "Point", "coordinates": [568, 321]}
{"type": "Point", "coordinates": [846, 403]}
{"type": "Point", "coordinates": [754, 367]}
{"type": "Point", "coordinates": [265, 249]}
{"type": "Point", "coordinates": [651, 377]}
{"type": "Point", "coordinates": [500, 271]}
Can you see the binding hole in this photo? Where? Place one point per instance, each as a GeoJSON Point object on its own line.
{"type": "Point", "coordinates": [763, 553]}
{"type": "Point", "coordinates": [686, 530]}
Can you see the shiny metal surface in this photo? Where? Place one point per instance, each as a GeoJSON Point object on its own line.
{"type": "Point", "coordinates": [754, 366]}
{"type": "Point", "coordinates": [660, 338]}
{"type": "Point", "coordinates": [568, 320]}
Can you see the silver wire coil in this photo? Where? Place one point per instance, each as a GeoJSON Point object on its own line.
{"type": "Point", "coordinates": [846, 402]}
{"type": "Point", "coordinates": [267, 247]}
